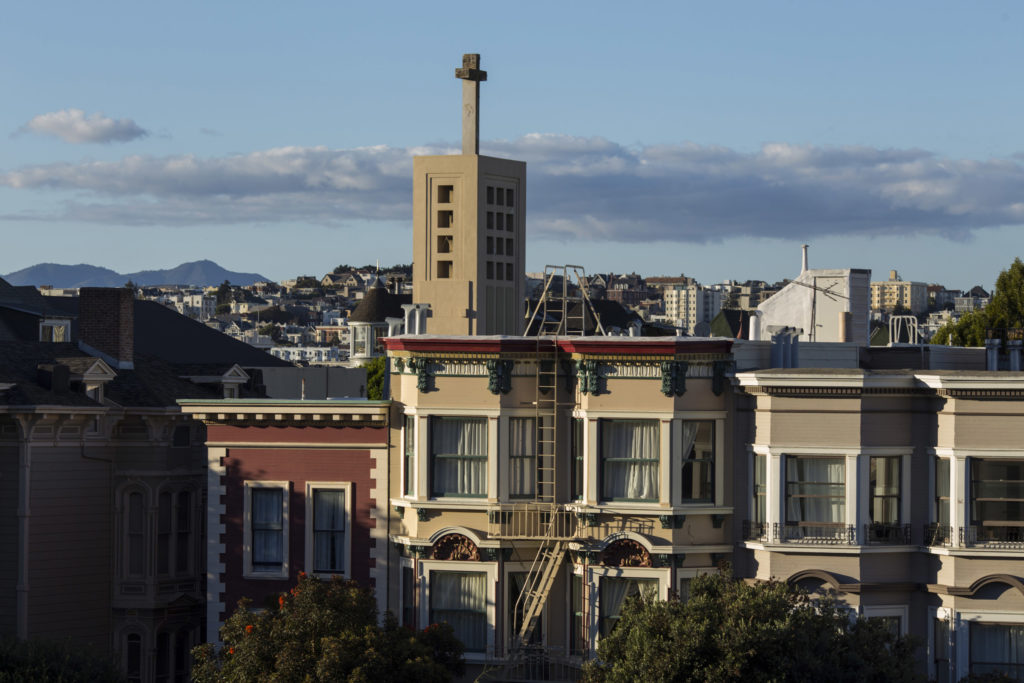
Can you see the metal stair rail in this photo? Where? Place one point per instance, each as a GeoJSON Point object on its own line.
{"type": "Point", "coordinates": [557, 312]}
{"type": "Point", "coordinates": [538, 585]}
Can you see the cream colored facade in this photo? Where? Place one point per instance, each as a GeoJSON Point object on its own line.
{"type": "Point", "coordinates": [626, 523]}
{"type": "Point", "coordinates": [888, 294]}
{"type": "Point", "coordinates": [692, 304]}
{"type": "Point", "coordinates": [469, 243]}
{"type": "Point", "coordinates": [903, 492]}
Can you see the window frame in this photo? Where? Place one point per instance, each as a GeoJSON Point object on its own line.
{"type": "Point", "coordinates": [711, 462]}
{"type": "Point", "coordinates": [409, 456]}
{"type": "Point", "coordinates": [838, 525]}
{"type": "Point", "coordinates": [512, 457]}
{"type": "Point", "coordinates": [490, 569]}
{"type": "Point", "coordinates": [247, 550]}
{"type": "Point", "coordinates": [311, 488]}
{"type": "Point", "coordinates": [435, 492]}
{"type": "Point", "coordinates": [603, 460]}
{"type": "Point", "coordinates": [131, 536]}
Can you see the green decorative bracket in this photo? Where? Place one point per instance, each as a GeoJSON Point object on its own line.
{"type": "Point", "coordinates": [673, 377]}
{"type": "Point", "coordinates": [499, 376]}
{"type": "Point", "coordinates": [581, 556]}
{"type": "Point", "coordinates": [672, 521]}
{"type": "Point", "coordinates": [421, 367]}
{"type": "Point", "coordinates": [717, 520]}
{"type": "Point", "coordinates": [491, 554]}
{"type": "Point", "coordinates": [399, 365]}
{"type": "Point", "coordinates": [420, 551]}
{"type": "Point", "coordinates": [718, 370]}
{"type": "Point", "coordinates": [661, 560]}
{"type": "Point", "coordinates": [422, 514]}
{"type": "Point", "coordinates": [717, 558]}
{"type": "Point", "coordinates": [588, 518]}
{"type": "Point", "coordinates": [399, 510]}
{"type": "Point", "coordinates": [586, 371]}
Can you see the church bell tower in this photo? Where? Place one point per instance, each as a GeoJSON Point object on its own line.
{"type": "Point", "coordinates": [469, 230]}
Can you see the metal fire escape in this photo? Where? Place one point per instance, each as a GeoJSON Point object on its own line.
{"type": "Point", "coordinates": [563, 309]}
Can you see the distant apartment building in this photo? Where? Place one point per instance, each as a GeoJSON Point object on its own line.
{"type": "Point", "coordinates": [691, 305]}
{"type": "Point", "coordinates": [888, 294]}
{"type": "Point", "coordinates": [972, 300]}
{"type": "Point", "coordinates": [309, 354]}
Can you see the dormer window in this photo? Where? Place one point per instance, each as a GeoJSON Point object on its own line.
{"type": "Point", "coordinates": [54, 331]}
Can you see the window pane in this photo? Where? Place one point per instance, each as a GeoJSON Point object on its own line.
{"type": "Point", "coordinates": [516, 584]}
{"type": "Point", "coordinates": [458, 598]}
{"type": "Point", "coordinates": [328, 530]}
{"type": "Point", "coordinates": [459, 456]}
{"type": "Point", "coordinates": [997, 647]}
{"type": "Point", "coordinates": [522, 457]}
{"type": "Point", "coordinates": [630, 456]}
{"type": "Point", "coordinates": [182, 554]}
{"type": "Point", "coordinates": [942, 491]}
{"type": "Point", "coordinates": [698, 449]}
{"type": "Point", "coordinates": [885, 490]}
{"type": "Point", "coordinates": [410, 451]}
{"type": "Point", "coordinates": [577, 458]}
{"type": "Point", "coordinates": [163, 533]}
{"type": "Point", "coordinates": [614, 593]}
{"type": "Point", "coordinates": [136, 535]}
{"type": "Point", "coordinates": [267, 529]}
{"type": "Point", "coordinates": [760, 491]}
{"type": "Point", "coordinates": [815, 491]}
{"type": "Point", "coordinates": [577, 638]}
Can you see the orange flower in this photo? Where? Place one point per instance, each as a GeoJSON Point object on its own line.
{"type": "Point", "coordinates": [231, 650]}
{"type": "Point", "coordinates": [248, 628]}
{"type": "Point", "coordinates": [280, 601]}
{"type": "Point", "coordinates": [302, 575]}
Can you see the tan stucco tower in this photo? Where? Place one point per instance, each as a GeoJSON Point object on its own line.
{"type": "Point", "coordinates": [469, 236]}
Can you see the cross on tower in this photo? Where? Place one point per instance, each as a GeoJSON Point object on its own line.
{"type": "Point", "coordinates": [471, 76]}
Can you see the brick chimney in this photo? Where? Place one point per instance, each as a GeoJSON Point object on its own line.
{"type": "Point", "coordinates": [106, 324]}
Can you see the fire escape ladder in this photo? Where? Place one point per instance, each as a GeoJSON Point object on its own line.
{"type": "Point", "coordinates": [538, 586]}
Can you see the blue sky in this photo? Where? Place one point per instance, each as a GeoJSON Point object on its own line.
{"type": "Point", "coordinates": [710, 139]}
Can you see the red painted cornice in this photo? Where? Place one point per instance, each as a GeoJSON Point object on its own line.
{"type": "Point", "coordinates": [647, 346]}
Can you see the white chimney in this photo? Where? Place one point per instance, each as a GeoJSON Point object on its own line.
{"type": "Point", "coordinates": [803, 261]}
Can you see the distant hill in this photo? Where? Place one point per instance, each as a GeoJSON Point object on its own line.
{"type": "Point", "coordinates": [199, 273]}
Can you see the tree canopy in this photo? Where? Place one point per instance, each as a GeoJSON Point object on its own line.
{"type": "Point", "coordinates": [375, 377]}
{"type": "Point", "coordinates": [1005, 310]}
{"type": "Point", "coordinates": [730, 630]}
{"type": "Point", "coordinates": [326, 631]}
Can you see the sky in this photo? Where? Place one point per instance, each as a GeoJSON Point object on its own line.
{"type": "Point", "coordinates": [710, 139]}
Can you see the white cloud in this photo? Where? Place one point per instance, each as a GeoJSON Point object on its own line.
{"type": "Point", "coordinates": [72, 125]}
{"type": "Point", "coordinates": [578, 189]}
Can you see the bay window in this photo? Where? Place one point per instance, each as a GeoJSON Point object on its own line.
{"type": "Point", "coordinates": [698, 480]}
{"type": "Point", "coordinates": [884, 482]}
{"type": "Point", "coordinates": [458, 456]}
{"type": "Point", "coordinates": [460, 600]}
{"type": "Point", "coordinates": [815, 497]}
{"type": "Point", "coordinates": [630, 458]}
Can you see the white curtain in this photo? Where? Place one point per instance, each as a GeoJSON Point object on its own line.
{"type": "Point", "coordinates": [522, 456]}
{"type": "Point", "coordinates": [328, 531]}
{"type": "Point", "coordinates": [459, 599]}
{"type": "Point", "coordinates": [816, 490]}
{"type": "Point", "coordinates": [885, 490]}
{"type": "Point", "coordinates": [693, 473]}
{"type": "Point", "coordinates": [614, 592]}
{"type": "Point", "coordinates": [459, 446]}
{"type": "Point", "coordinates": [689, 437]}
{"type": "Point", "coordinates": [630, 453]}
{"type": "Point", "coordinates": [267, 527]}
{"type": "Point", "coordinates": [993, 645]}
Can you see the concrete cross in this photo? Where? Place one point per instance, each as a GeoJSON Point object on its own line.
{"type": "Point", "coordinates": [471, 76]}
